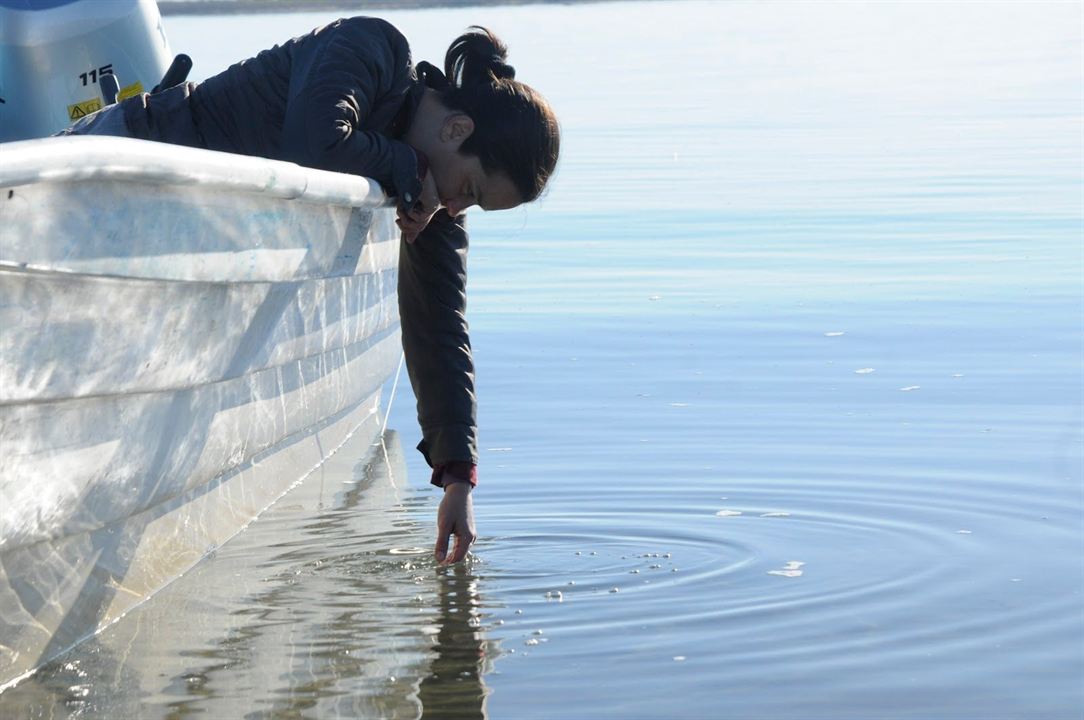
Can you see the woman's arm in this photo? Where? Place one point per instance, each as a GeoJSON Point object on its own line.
{"type": "Point", "coordinates": [436, 340]}
{"type": "Point", "coordinates": [436, 343]}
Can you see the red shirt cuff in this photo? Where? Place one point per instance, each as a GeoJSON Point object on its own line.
{"type": "Point", "coordinates": [460, 471]}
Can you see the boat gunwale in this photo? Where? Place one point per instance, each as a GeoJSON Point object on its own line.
{"type": "Point", "coordinates": [91, 158]}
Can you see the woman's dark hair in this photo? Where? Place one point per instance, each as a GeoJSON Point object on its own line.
{"type": "Point", "coordinates": [515, 130]}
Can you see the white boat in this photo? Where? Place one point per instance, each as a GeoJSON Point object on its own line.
{"type": "Point", "coordinates": [184, 335]}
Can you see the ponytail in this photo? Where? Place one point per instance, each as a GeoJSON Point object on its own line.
{"type": "Point", "coordinates": [515, 130]}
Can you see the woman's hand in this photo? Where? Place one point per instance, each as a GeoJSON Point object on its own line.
{"type": "Point", "coordinates": [455, 517]}
{"type": "Point", "coordinates": [413, 220]}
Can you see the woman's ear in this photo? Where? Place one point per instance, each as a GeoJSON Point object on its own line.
{"type": "Point", "coordinates": [457, 128]}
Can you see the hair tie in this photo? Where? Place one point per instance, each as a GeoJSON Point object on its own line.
{"type": "Point", "coordinates": [431, 76]}
{"type": "Point", "coordinates": [500, 68]}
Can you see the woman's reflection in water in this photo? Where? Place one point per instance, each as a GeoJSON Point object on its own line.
{"type": "Point", "coordinates": [454, 687]}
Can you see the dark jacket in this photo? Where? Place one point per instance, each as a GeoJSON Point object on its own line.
{"type": "Point", "coordinates": [436, 342]}
{"type": "Point", "coordinates": [338, 99]}
{"type": "Point", "coordinates": [335, 99]}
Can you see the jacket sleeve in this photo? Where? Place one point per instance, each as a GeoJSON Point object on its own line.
{"type": "Point", "coordinates": [436, 343]}
{"type": "Point", "coordinates": [356, 65]}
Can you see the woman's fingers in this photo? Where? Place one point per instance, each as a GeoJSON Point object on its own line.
{"type": "Point", "coordinates": [421, 211]}
{"type": "Point", "coordinates": [404, 219]}
{"type": "Point", "coordinates": [463, 542]}
{"type": "Point", "coordinates": [411, 228]}
{"type": "Point", "coordinates": [455, 516]}
{"type": "Point", "coordinates": [441, 550]}
{"type": "Point", "coordinates": [412, 222]}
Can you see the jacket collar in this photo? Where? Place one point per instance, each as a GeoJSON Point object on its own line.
{"type": "Point", "coordinates": [428, 76]}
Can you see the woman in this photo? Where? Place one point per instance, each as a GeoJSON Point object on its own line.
{"type": "Point", "coordinates": [346, 97]}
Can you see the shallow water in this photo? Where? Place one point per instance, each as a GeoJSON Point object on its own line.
{"type": "Point", "coordinates": [790, 357]}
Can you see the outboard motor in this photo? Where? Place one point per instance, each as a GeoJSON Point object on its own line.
{"type": "Point", "coordinates": [54, 55]}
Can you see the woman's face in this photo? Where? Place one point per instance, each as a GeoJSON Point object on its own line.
{"type": "Point", "coordinates": [461, 181]}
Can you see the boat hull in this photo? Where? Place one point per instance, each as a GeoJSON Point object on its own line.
{"type": "Point", "coordinates": [186, 335]}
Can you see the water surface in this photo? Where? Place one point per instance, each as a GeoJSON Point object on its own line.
{"type": "Point", "coordinates": [780, 393]}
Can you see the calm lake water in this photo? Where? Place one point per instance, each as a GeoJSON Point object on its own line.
{"type": "Point", "coordinates": [780, 394]}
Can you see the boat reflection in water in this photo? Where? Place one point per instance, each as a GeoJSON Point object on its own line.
{"type": "Point", "coordinates": [328, 606]}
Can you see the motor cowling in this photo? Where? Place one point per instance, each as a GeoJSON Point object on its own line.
{"type": "Point", "coordinates": [54, 54]}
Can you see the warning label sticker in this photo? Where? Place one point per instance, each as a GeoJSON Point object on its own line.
{"type": "Point", "coordinates": [82, 109]}
{"type": "Point", "coordinates": [130, 91]}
